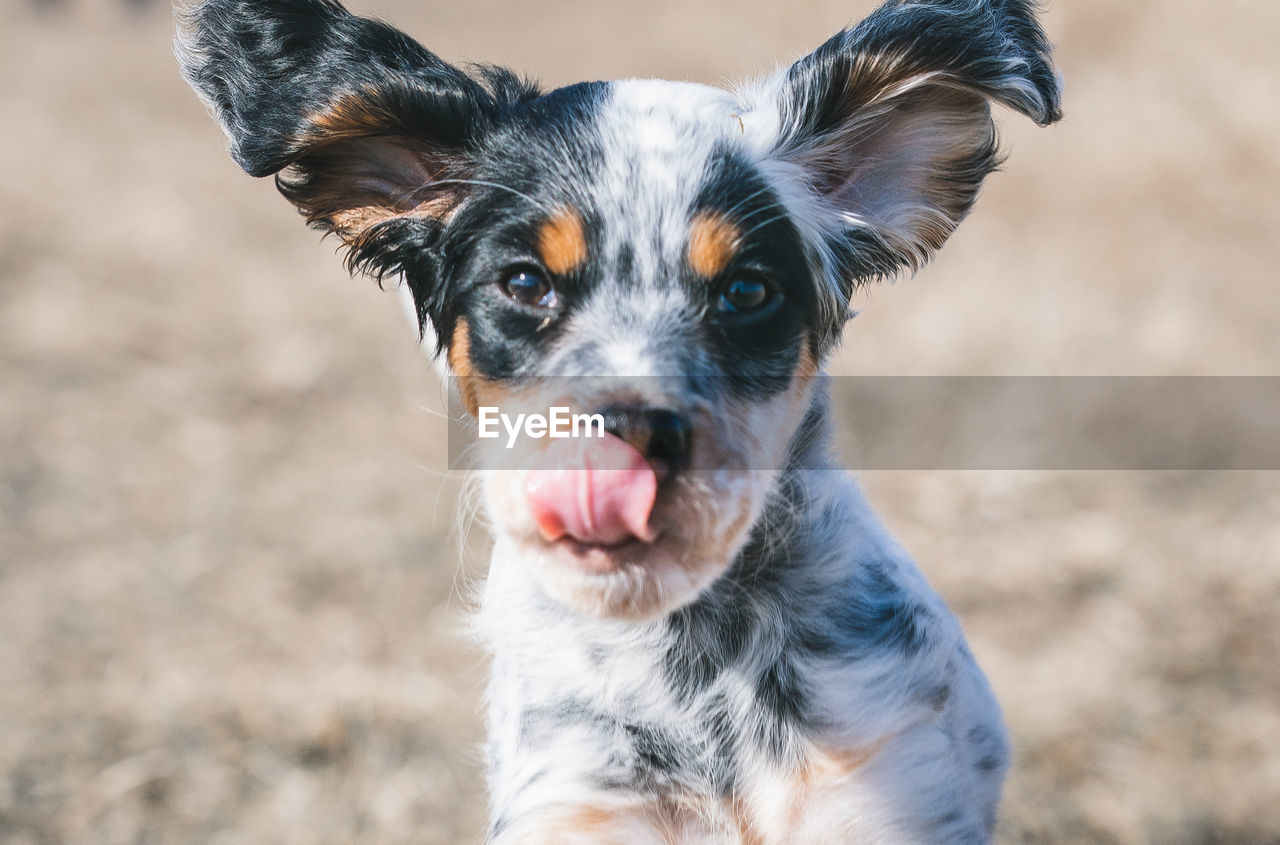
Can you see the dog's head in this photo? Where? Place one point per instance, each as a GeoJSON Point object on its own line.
{"type": "Point", "coordinates": [676, 257]}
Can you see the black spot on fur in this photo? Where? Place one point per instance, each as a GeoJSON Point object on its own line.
{"type": "Point", "coordinates": [949, 818]}
{"type": "Point", "coordinates": [990, 746]}
{"type": "Point", "coordinates": [990, 762]}
{"type": "Point", "coordinates": [872, 614]}
{"type": "Point", "coordinates": [980, 735]}
{"type": "Point", "coordinates": [539, 726]}
{"type": "Point", "coordinates": [782, 693]}
{"type": "Point", "coordinates": [657, 754]}
{"type": "Point", "coordinates": [722, 734]}
{"type": "Point", "coordinates": [938, 696]}
{"type": "Point", "coordinates": [705, 638]}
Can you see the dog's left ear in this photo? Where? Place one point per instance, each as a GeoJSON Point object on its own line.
{"type": "Point", "coordinates": [890, 124]}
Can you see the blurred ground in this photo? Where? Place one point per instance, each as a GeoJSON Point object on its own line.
{"type": "Point", "coordinates": [229, 595]}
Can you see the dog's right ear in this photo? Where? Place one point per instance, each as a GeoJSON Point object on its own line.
{"type": "Point", "coordinates": [362, 125]}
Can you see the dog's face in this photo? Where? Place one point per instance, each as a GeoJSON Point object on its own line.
{"type": "Point", "coordinates": [647, 264]}
{"type": "Point", "coordinates": [676, 257]}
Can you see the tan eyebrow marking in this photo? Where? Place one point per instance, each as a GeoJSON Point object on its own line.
{"type": "Point", "coordinates": [562, 241]}
{"type": "Point", "coordinates": [713, 242]}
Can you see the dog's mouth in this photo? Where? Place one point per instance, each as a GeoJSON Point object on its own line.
{"type": "Point", "coordinates": [594, 501]}
{"type": "Point", "coordinates": [598, 493]}
{"type": "Point", "coordinates": [610, 528]}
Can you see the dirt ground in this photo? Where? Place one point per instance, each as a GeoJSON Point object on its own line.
{"type": "Point", "coordinates": [230, 593]}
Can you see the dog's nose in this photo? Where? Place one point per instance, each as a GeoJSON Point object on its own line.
{"type": "Point", "coordinates": [660, 434]}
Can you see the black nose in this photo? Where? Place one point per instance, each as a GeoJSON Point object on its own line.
{"type": "Point", "coordinates": [660, 434]}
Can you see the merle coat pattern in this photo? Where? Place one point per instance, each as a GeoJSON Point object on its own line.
{"type": "Point", "coordinates": [772, 667]}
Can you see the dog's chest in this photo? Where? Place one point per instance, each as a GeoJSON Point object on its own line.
{"type": "Point", "coordinates": [697, 741]}
{"type": "Point", "coordinates": [720, 776]}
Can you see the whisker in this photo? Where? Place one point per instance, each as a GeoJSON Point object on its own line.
{"type": "Point", "coordinates": [482, 183]}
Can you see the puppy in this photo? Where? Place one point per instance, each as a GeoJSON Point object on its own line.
{"type": "Point", "coordinates": [700, 632]}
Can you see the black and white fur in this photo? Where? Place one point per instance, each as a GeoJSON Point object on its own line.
{"type": "Point", "coordinates": [773, 668]}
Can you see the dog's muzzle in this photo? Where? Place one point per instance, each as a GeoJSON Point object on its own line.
{"type": "Point", "coordinates": [600, 491]}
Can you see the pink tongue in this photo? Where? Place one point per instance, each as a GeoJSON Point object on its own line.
{"type": "Point", "coordinates": [597, 490]}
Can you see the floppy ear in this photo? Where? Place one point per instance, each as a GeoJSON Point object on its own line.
{"type": "Point", "coordinates": [890, 126]}
{"type": "Point", "coordinates": [363, 126]}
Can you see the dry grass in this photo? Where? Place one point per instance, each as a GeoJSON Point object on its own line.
{"type": "Point", "coordinates": [229, 595]}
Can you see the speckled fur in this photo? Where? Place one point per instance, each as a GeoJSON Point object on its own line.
{"type": "Point", "coordinates": [773, 668]}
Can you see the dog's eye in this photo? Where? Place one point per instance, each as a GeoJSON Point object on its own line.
{"type": "Point", "coordinates": [528, 287]}
{"type": "Point", "coordinates": [744, 293]}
